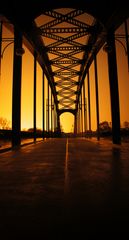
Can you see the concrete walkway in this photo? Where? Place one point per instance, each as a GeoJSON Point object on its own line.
{"type": "Point", "coordinates": [64, 188]}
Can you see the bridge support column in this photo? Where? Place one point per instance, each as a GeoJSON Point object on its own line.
{"type": "Point", "coordinates": [58, 126]}
{"type": "Point", "coordinates": [51, 114]}
{"type": "Point", "coordinates": [81, 114]}
{"type": "Point", "coordinates": [79, 117]}
{"type": "Point", "coordinates": [1, 28]}
{"type": "Point", "coordinates": [79, 122]}
{"type": "Point", "coordinates": [114, 93]}
{"type": "Point", "coordinates": [75, 124]}
{"type": "Point", "coordinates": [89, 112]}
{"type": "Point", "coordinates": [16, 95]}
{"type": "Point", "coordinates": [55, 120]}
{"type": "Point", "coordinates": [127, 41]}
{"type": "Point", "coordinates": [43, 99]}
{"type": "Point", "coordinates": [97, 96]}
{"type": "Point", "coordinates": [48, 113]}
{"type": "Point", "coordinates": [85, 115]}
{"type": "Point", "coordinates": [35, 58]}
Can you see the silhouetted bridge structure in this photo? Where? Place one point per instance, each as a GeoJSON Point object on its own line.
{"type": "Point", "coordinates": [76, 185]}
{"type": "Point", "coordinates": [64, 39]}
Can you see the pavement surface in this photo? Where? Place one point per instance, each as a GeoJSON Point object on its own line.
{"type": "Point", "coordinates": [65, 189]}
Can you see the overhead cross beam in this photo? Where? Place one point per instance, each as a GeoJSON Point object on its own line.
{"type": "Point", "coordinates": [69, 18]}
{"type": "Point", "coordinates": [50, 30]}
{"type": "Point", "coordinates": [70, 50]}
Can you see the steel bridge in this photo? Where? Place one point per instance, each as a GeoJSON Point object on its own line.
{"type": "Point", "coordinates": [65, 45]}
{"type": "Point", "coordinates": [65, 187]}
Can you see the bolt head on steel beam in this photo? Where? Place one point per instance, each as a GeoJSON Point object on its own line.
{"type": "Point", "coordinates": [107, 48]}
{"type": "Point", "coordinates": [20, 51]}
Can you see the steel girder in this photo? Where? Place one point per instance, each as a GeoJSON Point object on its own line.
{"type": "Point", "coordinates": [70, 38]}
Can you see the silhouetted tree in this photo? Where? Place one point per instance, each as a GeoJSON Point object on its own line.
{"type": "Point", "coordinates": [4, 123]}
{"type": "Point", "coordinates": [104, 126]}
{"type": "Point", "coordinates": [126, 125]}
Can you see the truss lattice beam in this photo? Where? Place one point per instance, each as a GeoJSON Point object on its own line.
{"type": "Point", "coordinates": [68, 48]}
{"type": "Point", "coordinates": [69, 18]}
{"type": "Point", "coordinates": [66, 55]}
{"type": "Point", "coordinates": [67, 73]}
{"type": "Point", "coordinates": [86, 30]}
{"type": "Point", "coordinates": [55, 61]}
{"type": "Point", "coordinates": [66, 39]}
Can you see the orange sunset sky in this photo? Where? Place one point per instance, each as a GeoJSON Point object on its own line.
{"type": "Point", "coordinates": [66, 119]}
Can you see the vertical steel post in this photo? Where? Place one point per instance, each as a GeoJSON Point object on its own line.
{"type": "Point", "coordinates": [97, 96]}
{"type": "Point", "coordinates": [85, 117]}
{"type": "Point", "coordinates": [48, 120]}
{"type": "Point", "coordinates": [114, 93]}
{"type": "Point", "coordinates": [79, 116]}
{"type": "Point", "coordinates": [89, 111]}
{"type": "Point", "coordinates": [16, 94]}
{"type": "Point", "coordinates": [127, 41]}
{"type": "Point", "coordinates": [81, 113]}
{"type": "Point", "coordinates": [51, 115]}
{"type": "Point", "coordinates": [75, 124]}
{"type": "Point", "coordinates": [58, 125]}
{"type": "Point", "coordinates": [55, 119]}
{"type": "Point", "coordinates": [35, 59]}
{"type": "Point", "coordinates": [43, 99]}
{"type": "Point", "coordinates": [1, 27]}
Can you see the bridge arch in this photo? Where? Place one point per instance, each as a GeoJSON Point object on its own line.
{"type": "Point", "coordinates": [73, 111]}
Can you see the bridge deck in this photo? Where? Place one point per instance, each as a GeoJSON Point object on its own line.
{"type": "Point", "coordinates": [64, 186]}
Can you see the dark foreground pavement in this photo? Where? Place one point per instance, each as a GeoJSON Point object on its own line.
{"type": "Point", "coordinates": [65, 189]}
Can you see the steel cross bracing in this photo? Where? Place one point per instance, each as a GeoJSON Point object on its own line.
{"type": "Point", "coordinates": [67, 45]}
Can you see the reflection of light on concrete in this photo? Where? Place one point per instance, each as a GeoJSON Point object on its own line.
{"type": "Point", "coordinates": [66, 185]}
